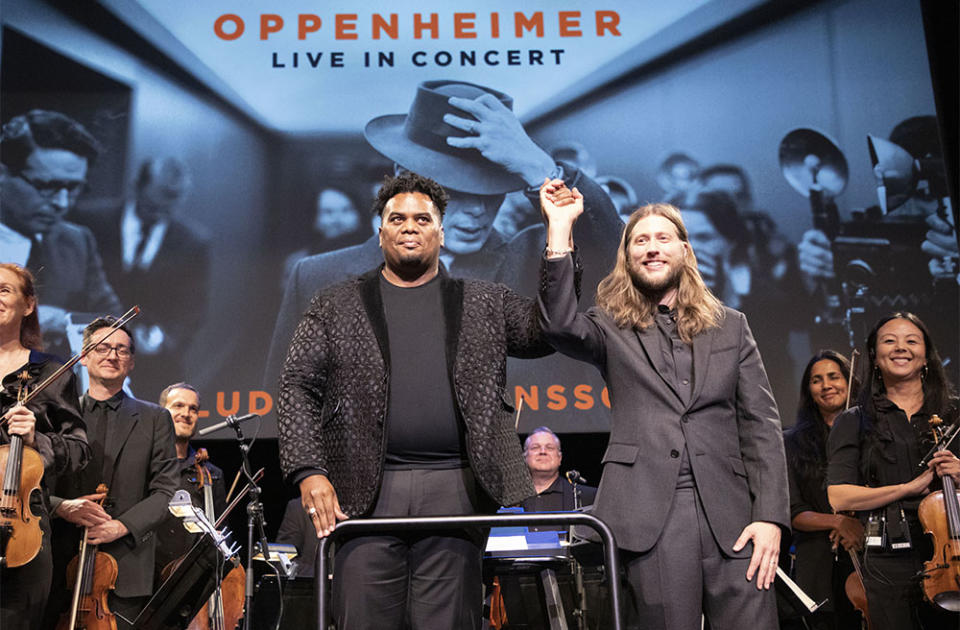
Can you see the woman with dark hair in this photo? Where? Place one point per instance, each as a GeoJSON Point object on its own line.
{"type": "Point", "coordinates": [50, 424]}
{"type": "Point", "coordinates": [874, 453]}
{"type": "Point", "coordinates": [821, 537]}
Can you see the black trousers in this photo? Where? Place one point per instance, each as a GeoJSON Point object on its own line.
{"type": "Point", "coordinates": [686, 575]}
{"type": "Point", "coordinates": [24, 590]}
{"type": "Point", "coordinates": [425, 579]}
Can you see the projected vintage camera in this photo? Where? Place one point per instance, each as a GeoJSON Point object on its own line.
{"type": "Point", "coordinates": [877, 258]}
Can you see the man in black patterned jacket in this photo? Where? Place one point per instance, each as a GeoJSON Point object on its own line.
{"type": "Point", "coordinates": [392, 403]}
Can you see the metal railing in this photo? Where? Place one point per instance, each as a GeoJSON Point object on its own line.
{"type": "Point", "coordinates": [388, 525]}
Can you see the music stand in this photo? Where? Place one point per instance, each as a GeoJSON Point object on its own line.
{"type": "Point", "coordinates": [183, 593]}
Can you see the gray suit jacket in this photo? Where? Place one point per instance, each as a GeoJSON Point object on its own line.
{"type": "Point", "coordinates": [141, 462]}
{"type": "Point", "coordinates": [730, 425]}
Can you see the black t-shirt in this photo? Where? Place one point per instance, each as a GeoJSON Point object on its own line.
{"type": "Point", "coordinates": [423, 430]}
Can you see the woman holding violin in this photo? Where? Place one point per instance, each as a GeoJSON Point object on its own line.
{"type": "Point", "coordinates": [48, 436]}
{"type": "Point", "coordinates": [875, 453]}
{"type": "Point", "coordinates": [821, 537]}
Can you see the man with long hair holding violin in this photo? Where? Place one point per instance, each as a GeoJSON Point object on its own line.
{"type": "Point", "coordinates": [133, 453]}
{"type": "Point", "coordinates": [196, 472]}
{"type": "Point", "coordinates": [50, 426]}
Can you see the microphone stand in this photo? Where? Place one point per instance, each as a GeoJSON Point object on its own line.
{"type": "Point", "coordinates": [581, 611]}
{"type": "Point", "coordinates": [255, 523]}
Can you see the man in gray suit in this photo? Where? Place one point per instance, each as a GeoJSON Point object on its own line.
{"type": "Point", "coordinates": [695, 469]}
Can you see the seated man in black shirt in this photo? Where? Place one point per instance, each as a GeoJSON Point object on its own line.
{"type": "Point", "coordinates": [173, 542]}
{"type": "Point", "coordinates": [541, 450]}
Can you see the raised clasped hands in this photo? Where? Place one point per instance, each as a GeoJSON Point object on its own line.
{"type": "Point", "coordinates": [559, 203]}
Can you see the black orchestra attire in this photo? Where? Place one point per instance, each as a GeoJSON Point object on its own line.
{"type": "Point", "coordinates": [61, 441]}
{"type": "Point", "coordinates": [133, 453]}
{"type": "Point", "coordinates": [820, 572]}
{"type": "Point", "coordinates": [173, 540]}
{"type": "Point", "coordinates": [695, 455]}
{"type": "Point", "coordinates": [883, 451]}
{"type": "Point", "coordinates": [398, 396]}
{"type": "Point", "coordinates": [558, 498]}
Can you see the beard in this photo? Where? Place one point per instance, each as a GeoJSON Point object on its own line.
{"type": "Point", "coordinates": [655, 287]}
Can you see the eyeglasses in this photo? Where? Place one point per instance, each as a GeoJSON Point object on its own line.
{"type": "Point", "coordinates": [51, 188]}
{"type": "Point", "coordinates": [104, 350]}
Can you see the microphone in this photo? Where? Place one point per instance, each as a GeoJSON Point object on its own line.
{"type": "Point", "coordinates": [231, 421]}
{"type": "Point", "coordinates": [574, 477]}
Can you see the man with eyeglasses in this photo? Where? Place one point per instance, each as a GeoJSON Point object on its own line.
{"type": "Point", "coordinates": [133, 453]}
{"type": "Point", "coordinates": [45, 158]}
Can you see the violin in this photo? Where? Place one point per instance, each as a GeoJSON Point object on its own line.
{"type": "Point", "coordinates": [94, 575]}
{"type": "Point", "coordinates": [855, 591]}
{"type": "Point", "coordinates": [939, 514]}
{"type": "Point", "coordinates": [224, 609]}
{"type": "Point", "coordinates": [853, 586]}
{"type": "Point", "coordinates": [20, 533]}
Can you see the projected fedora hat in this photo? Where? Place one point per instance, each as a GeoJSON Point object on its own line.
{"type": "Point", "coordinates": [417, 140]}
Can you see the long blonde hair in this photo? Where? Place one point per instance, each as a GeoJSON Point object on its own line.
{"type": "Point", "coordinates": [697, 308]}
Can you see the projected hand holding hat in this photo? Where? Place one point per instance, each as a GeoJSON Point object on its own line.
{"type": "Point", "coordinates": [498, 135]}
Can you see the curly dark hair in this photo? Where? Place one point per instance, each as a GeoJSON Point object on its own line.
{"type": "Point", "coordinates": [408, 182]}
{"type": "Point", "coordinates": [44, 129]}
{"type": "Point", "coordinates": [806, 442]}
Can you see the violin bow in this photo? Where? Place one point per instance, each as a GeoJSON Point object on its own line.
{"type": "Point", "coordinates": [133, 312]}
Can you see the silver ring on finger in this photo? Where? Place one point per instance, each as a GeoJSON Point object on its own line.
{"type": "Point", "coordinates": [312, 511]}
